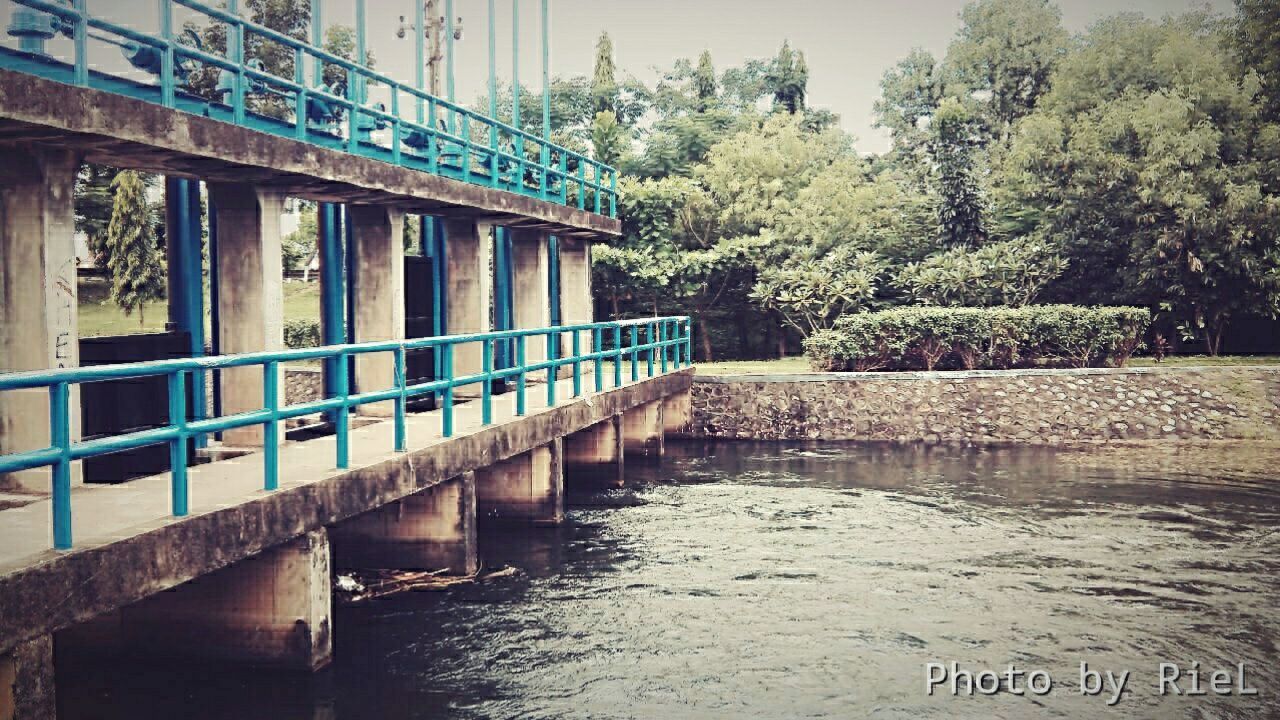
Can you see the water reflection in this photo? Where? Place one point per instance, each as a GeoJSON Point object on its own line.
{"type": "Point", "coordinates": [766, 580]}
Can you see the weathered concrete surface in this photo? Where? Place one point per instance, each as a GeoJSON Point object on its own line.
{"type": "Point", "coordinates": [270, 610]}
{"type": "Point", "coordinates": [468, 254]}
{"type": "Point", "coordinates": [595, 454]}
{"type": "Point", "coordinates": [126, 132]}
{"type": "Point", "coordinates": [434, 529]}
{"type": "Point", "coordinates": [642, 430]}
{"type": "Point", "coordinates": [1023, 406]}
{"type": "Point", "coordinates": [532, 288]}
{"type": "Point", "coordinates": [378, 295]}
{"type": "Point", "coordinates": [38, 306]}
{"type": "Point", "coordinates": [526, 488]}
{"type": "Point", "coordinates": [251, 302]}
{"type": "Point", "coordinates": [575, 294]}
{"type": "Point", "coordinates": [117, 562]}
{"type": "Point", "coordinates": [26, 681]}
{"type": "Point", "coordinates": [677, 414]}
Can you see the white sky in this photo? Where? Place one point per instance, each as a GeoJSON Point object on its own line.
{"type": "Point", "coordinates": [849, 43]}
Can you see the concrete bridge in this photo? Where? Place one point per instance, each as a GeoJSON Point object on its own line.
{"type": "Point", "coordinates": [227, 553]}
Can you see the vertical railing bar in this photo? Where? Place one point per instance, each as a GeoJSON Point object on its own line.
{"type": "Point", "coordinates": [178, 486]}
{"type": "Point", "coordinates": [342, 428]}
{"type": "Point", "coordinates": [635, 353]}
{"type": "Point", "coordinates": [575, 345]}
{"type": "Point", "coordinates": [81, 40]}
{"type": "Point", "coordinates": [60, 435]}
{"type": "Point", "coordinates": [486, 384]}
{"type": "Point", "coordinates": [649, 333]}
{"type": "Point", "coordinates": [401, 400]}
{"type": "Point", "coordinates": [597, 345]}
{"type": "Point", "coordinates": [617, 356]}
{"type": "Point", "coordinates": [553, 338]}
{"type": "Point", "coordinates": [662, 344]}
{"type": "Point", "coordinates": [446, 428]}
{"type": "Point", "coordinates": [166, 64]}
{"type": "Point", "coordinates": [271, 428]}
{"type": "Point", "coordinates": [300, 100]}
{"type": "Point", "coordinates": [520, 379]}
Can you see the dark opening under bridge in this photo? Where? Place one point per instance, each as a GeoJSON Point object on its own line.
{"type": "Point", "coordinates": [461, 383]}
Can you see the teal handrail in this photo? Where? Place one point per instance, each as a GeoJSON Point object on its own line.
{"type": "Point", "coordinates": [669, 336]}
{"type": "Point", "coordinates": [450, 150]}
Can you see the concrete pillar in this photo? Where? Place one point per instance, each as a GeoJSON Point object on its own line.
{"type": "Point", "coordinates": [526, 488]}
{"type": "Point", "coordinates": [532, 289]}
{"type": "Point", "coordinates": [595, 454]}
{"type": "Point", "coordinates": [269, 610]}
{"type": "Point", "coordinates": [37, 297]}
{"type": "Point", "coordinates": [378, 295]}
{"type": "Point", "coordinates": [576, 306]}
{"type": "Point", "coordinates": [251, 292]}
{"type": "Point", "coordinates": [642, 430]}
{"type": "Point", "coordinates": [469, 291]}
{"type": "Point", "coordinates": [434, 529]}
{"type": "Point", "coordinates": [26, 681]}
{"type": "Point", "coordinates": [677, 413]}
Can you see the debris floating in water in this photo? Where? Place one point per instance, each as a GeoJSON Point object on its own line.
{"type": "Point", "coordinates": [360, 586]}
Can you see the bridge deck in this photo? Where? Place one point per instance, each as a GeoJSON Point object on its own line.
{"type": "Point", "coordinates": [129, 546]}
{"type": "Point", "coordinates": [121, 131]}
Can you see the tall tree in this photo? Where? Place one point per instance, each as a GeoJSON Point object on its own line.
{"type": "Point", "coordinates": [136, 264]}
{"type": "Point", "coordinates": [1257, 35]}
{"type": "Point", "coordinates": [789, 78]}
{"type": "Point", "coordinates": [604, 84]}
{"type": "Point", "coordinates": [1008, 48]}
{"type": "Point", "coordinates": [960, 203]}
{"type": "Point", "coordinates": [705, 82]}
{"type": "Point", "coordinates": [608, 139]}
{"type": "Point", "coordinates": [909, 95]}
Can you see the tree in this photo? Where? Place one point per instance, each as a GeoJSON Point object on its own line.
{"type": "Point", "coordinates": [299, 246]}
{"type": "Point", "coordinates": [910, 92]}
{"type": "Point", "coordinates": [960, 205]}
{"type": "Point", "coordinates": [788, 79]}
{"type": "Point", "coordinates": [1008, 48]}
{"type": "Point", "coordinates": [1257, 35]}
{"type": "Point", "coordinates": [1014, 273]}
{"type": "Point", "coordinates": [705, 82]}
{"type": "Point", "coordinates": [136, 264]}
{"type": "Point", "coordinates": [811, 295]}
{"type": "Point", "coordinates": [604, 86]}
{"type": "Point", "coordinates": [608, 140]}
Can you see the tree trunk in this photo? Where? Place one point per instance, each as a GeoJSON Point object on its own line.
{"type": "Point", "coordinates": [704, 337]}
{"type": "Point", "coordinates": [616, 314]}
{"type": "Point", "coordinates": [782, 343]}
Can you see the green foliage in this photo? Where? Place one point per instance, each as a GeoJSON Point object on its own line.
{"type": "Point", "coordinates": [1257, 36]}
{"type": "Point", "coordinates": [811, 295]}
{"type": "Point", "coordinates": [1014, 272]}
{"type": "Point", "coordinates": [299, 246]}
{"type": "Point", "coordinates": [788, 79]}
{"type": "Point", "coordinates": [604, 86]}
{"type": "Point", "coordinates": [608, 139]}
{"type": "Point", "coordinates": [960, 206]}
{"type": "Point", "coordinates": [704, 82]}
{"type": "Point", "coordinates": [301, 333]}
{"type": "Point", "coordinates": [969, 338]}
{"type": "Point", "coordinates": [135, 262]}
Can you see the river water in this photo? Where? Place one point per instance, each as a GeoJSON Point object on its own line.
{"type": "Point", "coordinates": [817, 581]}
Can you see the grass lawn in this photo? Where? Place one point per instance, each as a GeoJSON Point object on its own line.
{"type": "Point", "coordinates": [100, 316]}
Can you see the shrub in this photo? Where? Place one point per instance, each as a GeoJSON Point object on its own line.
{"type": "Point", "coordinates": [301, 333]}
{"type": "Point", "coordinates": [1002, 337]}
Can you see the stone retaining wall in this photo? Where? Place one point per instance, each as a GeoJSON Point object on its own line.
{"type": "Point", "coordinates": [1025, 406]}
{"type": "Point", "coordinates": [303, 385]}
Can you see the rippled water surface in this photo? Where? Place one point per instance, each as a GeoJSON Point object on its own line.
{"type": "Point", "coordinates": [776, 581]}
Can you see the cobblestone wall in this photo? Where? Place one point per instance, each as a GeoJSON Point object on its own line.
{"type": "Point", "coordinates": [1026, 406]}
{"type": "Point", "coordinates": [302, 385]}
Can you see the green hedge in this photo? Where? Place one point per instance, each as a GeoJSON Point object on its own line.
{"type": "Point", "coordinates": [928, 338]}
{"type": "Point", "coordinates": [301, 333]}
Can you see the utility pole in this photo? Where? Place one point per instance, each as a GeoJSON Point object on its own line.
{"type": "Point", "coordinates": [433, 27]}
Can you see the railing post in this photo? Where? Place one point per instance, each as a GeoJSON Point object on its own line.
{"type": "Point", "coordinates": [520, 379]}
{"type": "Point", "coordinates": [300, 98]}
{"type": "Point", "coordinates": [575, 344]}
{"type": "Point", "coordinates": [81, 73]}
{"type": "Point", "coordinates": [688, 340]}
{"type": "Point", "coordinates": [401, 400]}
{"type": "Point", "coordinates": [675, 347]}
{"type": "Point", "coordinates": [648, 356]}
{"type": "Point", "coordinates": [617, 356]}
{"type": "Point", "coordinates": [553, 339]}
{"type": "Point", "coordinates": [237, 98]}
{"type": "Point", "coordinates": [446, 398]}
{"type": "Point", "coordinates": [582, 183]}
{"type": "Point", "coordinates": [486, 384]}
{"type": "Point", "coordinates": [166, 63]}
{"type": "Point", "coordinates": [178, 492]}
{"type": "Point", "coordinates": [662, 344]}
{"type": "Point", "coordinates": [271, 428]}
{"type": "Point", "coordinates": [635, 353]}
{"type": "Point", "coordinates": [60, 434]}
{"type": "Point", "coordinates": [613, 193]}
{"type": "Point", "coordinates": [597, 345]}
{"type": "Point", "coordinates": [342, 429]}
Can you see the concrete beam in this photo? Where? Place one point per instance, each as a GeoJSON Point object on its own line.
{"type": "Point", "coordinates": [251, 293]}
{"type": "Point", "coordinates": [526, 488]}
{"type": "Point", "coordinates": [642, 430]}
{"type": "Point", "coordinates": [470, 290]}
{"type": "Point", "coordinates": [38, 304]}
{"type": "Point", "coordinates": [532, 289]}
{"type": "Point", "coordinates": [595, 453]}
{"type": "Point", "coordinates": [269, 610]}
{"type": "Point", "coordinates": [26, 681]}
{"type": "Point", "coordinates": [378, 295]}
{"type": "Point", "coordinates": [434, 529]}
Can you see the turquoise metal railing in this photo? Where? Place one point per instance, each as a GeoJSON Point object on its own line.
{"type": "Point", "coordinates": [443, 138]}
{"type": "Point", "coordinates": [667, 337]}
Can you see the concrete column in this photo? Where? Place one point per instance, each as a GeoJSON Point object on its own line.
{"type": "Point", "coordinates": [251, 293]}
{"type": "Point", "coordinates": [642, 430]}
{"type": "Point", "coordinates": [595, 454]}
{"type": "Point", "coordinates": [575, 294]}
{"type": "Point", "coordinates": [378, 295]}
{"type": "Point", "coordinates": [26, 681]}
{"type": "Point", "coordinates": [526, 488]}
{"type": "Point", "coordinates": [469, 291]}
{"type": "Point", "coordinates": [37, 297]}
{"type": "Point", "coordinates": [677, 413]}
{"type": "Point", "coordinates": [434, 529]}
{"type": "Point", "coordinates": [532, 289]}
{"type": "Point", "coordinates": [269, 610]}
